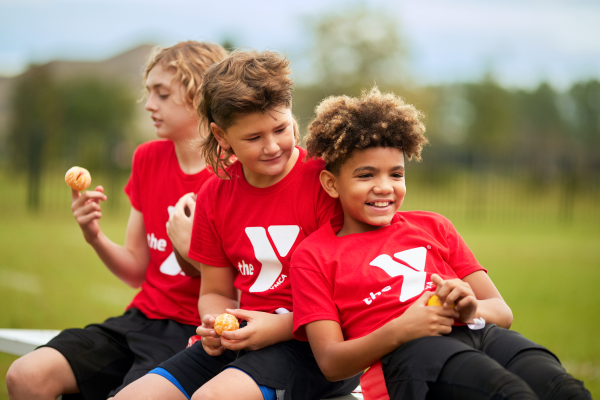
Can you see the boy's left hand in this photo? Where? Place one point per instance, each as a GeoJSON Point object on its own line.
{"type": "Point", "coordinates": [181, 220]}
{"type": "Point", "coordinates": [262, 330]}
{"type": "Point", "coordinates": [458, 292]}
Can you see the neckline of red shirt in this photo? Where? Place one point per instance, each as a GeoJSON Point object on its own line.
{"type": "Point", "coordinates": [238, 175]}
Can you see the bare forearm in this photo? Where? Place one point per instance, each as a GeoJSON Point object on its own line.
{"type": "Point", "coordinates": [283, 330]}
{"type": "Point", "coordinates": [123, 263]}
{"type": "Point", "coordinates": [495, 311]}
{"type": "Point", "coordinates": [345, 359]}
{"type": "Point", "coordinates": [215, 304]}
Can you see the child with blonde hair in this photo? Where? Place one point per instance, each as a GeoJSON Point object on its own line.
{"type": "Point", "coordinates": [98, 361]}
{"type": "Point", "coordinates": [362, 282]}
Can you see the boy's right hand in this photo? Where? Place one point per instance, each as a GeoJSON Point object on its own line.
{"type": "Point", "coordinates": [87, 211]}
{"type": "Point", "coordinates": [420, 321]}
{"type": "Point", "coordinates": [211, 342]}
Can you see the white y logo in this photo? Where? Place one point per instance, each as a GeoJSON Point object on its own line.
{"type": "Point", "coordinates": [284, 237]}
{"type": "Point", "coordinates": [414, 281]}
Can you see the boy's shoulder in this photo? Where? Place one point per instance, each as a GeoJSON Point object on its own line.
{"type": "Point", "coordinates": [322, 240]}
{"type": "Point", "coordinates": [153, 147]}
{"type": "Point", "coordinates": [423, 215]}
{"type": "Point", "coordinates": [311, 167]}
{"type": "Point", "coordinates": [424, 220]}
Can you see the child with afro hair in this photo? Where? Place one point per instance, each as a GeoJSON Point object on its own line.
{"type": "Point", "coordinates": [362, 282]}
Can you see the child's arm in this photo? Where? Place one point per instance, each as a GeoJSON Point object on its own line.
{"type": "Point", "coordinates": [128, 262]}
{"type": "Point", "coordinates": [475, 296]}
{"type": "Point", "coordinates": [262, 330]}
{"type": "Point", "coordinates": [217, 294]}
{"type": "Point", "coordinates": [340, 359]}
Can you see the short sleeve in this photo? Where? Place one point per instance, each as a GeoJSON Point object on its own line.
{"type": "Point", "coordinates": [312, 293]}
{"type": "Point", "coordinates": [206, 245]}
{"type": "Point", "coordinates": [132, 186]}
{"type": "Point", "coordinates": [461, 258]}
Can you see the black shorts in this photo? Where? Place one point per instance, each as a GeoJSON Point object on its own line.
{"type": "Point", "coordinates": [288, 367]}
{"type": "Point", "coordinates": [408, 368]}
{"type": "Point", "coordinates": [107, 357]}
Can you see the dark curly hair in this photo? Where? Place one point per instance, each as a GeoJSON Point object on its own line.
{"type": "Point", "coordinates": [345, 124]}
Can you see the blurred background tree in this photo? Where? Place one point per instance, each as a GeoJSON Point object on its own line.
{"type": "Point", "coordinates": [541, 138]}
{"type": "Point", "coordinates": [356, 46]}
{"type": "Point", "coordinates": [71, 122]}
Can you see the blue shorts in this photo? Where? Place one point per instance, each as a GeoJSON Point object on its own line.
{"type": "Point", "coordinates": [267, 392]}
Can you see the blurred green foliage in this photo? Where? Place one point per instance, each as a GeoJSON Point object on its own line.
{"type": "Point", "coordinates": [64, 123]}
{"type": "Point", "coordinates": [356, 46]}
{"type": "Point", "coordinates": [545, 133]}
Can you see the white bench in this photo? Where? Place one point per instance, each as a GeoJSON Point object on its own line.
{"type": "Point", "coordinates": [22, 341]}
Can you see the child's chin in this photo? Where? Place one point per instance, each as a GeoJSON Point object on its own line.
{"type": "Point", "coordinates": [381, 221]}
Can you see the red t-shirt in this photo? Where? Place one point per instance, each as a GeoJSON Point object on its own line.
{"type": "Point", "coordinates": [362, 281]}
{"type": "Point", "coordinates": [256, 230]}
{"type": "Point", "coordinates": [154, 187]}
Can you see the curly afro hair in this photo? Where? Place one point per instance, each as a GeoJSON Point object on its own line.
{"type": "Point", "coordinates": [345, 124]}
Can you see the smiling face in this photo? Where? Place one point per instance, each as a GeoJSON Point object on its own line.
{"type": "Point", "coordinates": [172, 117]}
{"type": "Point", "coordinates": [370, 186]}
{"type": "Point", "coordinates": [264, 143]}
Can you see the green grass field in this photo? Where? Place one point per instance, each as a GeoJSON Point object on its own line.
{"type": "Point", "coordinates": [546, 271]}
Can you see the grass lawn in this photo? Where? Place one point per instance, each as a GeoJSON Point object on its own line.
{"type": "Point", "coordinates": [51, 279]}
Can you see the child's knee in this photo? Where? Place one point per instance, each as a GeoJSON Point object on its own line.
{"type": "Point", "coordinates": [42, 373]}
{"type": "Point", "coordinates": [207, 392]}
{"type": "Point", "coordinates": [24, 379]}
{"type": "Point", "coordinates": [546, 376]}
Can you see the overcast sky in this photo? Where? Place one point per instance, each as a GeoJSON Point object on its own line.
{"type": "Point", "coordinates": [520, 42]}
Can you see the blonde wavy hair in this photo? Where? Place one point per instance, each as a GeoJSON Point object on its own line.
{"type": "Point", "coordinates": [188, 61]}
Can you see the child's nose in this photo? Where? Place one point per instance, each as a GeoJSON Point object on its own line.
{"type": "Point", "coordinates": [383, 187]}
{"type": "Point", "coordinates": [271, 146]}
{"type": "Point", "coordinates": [150, 104]}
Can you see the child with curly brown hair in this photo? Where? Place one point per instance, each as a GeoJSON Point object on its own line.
{"type": "Point", "coordinates": [362, 282]}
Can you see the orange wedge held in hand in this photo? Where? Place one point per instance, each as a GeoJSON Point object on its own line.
{"type": "Point", "coordinates": [78, 178]}
{"type": "Point", "coordinates": [435, 301]}
{"type": "Point", "coordinates": [226, 322]}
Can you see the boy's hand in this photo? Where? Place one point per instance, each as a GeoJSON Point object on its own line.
{"type": "Point", "coordinates": [420, 321]}
{"type": "Point", "coordinates": [458, 292]}
{"type": "Point", "coordinates": [87, 211]}
{"type": "Point", "coordinates": [210, 340]}
{"type": "Point", "coordinates": [181, 220]}
{"type": "Point", "coordinates": [262, 330]}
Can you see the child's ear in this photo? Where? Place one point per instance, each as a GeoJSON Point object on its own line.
{"type": "Point", "coordinates": [219, 134]}
{"type": "Point", "coordinates": [328, 183]}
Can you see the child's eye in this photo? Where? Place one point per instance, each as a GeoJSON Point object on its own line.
{"type": "Point", "coordinates": [364, 176]}
{"type": "Point", "coordinates": [163, 96]}
{"type": "Point", "coordinates": [253, 139]}
{"type": "Point", "coordinates": [397, 175]}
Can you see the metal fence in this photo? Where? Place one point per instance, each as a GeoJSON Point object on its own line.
{"type": "Point", "coordinates": [479, 194]}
